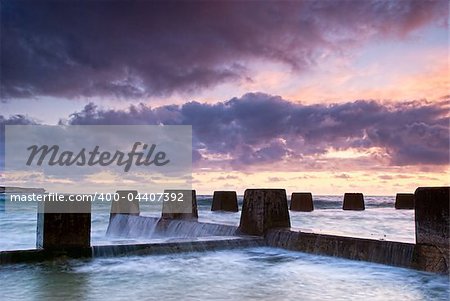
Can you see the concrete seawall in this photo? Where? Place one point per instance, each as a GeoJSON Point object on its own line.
{"type": "Point", "coordinates": [174, 246]}
{"type": "Point", "coordinates": [408, 255]}
{"type": "Point", "coordinates": [178, 246]}
{"type": "Point", "coordinates": [38, 255]}
{"type": "Point", "coordinates": [415, 256]}
{"type": "Point", "coordinates": [385, 252]}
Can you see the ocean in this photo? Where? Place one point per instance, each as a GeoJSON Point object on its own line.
{"type": "Point", "coordinates": [379, 221]}
{"type": "Point", "coordinates": [241, 274]}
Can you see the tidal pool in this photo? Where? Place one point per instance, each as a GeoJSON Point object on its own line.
{"type": "Point", "coordinates": [240, 274]}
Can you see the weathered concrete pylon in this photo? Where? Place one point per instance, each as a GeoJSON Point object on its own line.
{"type": "Point", "coordinates": [302, 201]}
{"type": "Point", "coordinates": [225, 201]}
{"type": "Point", "coordinates": [64, 225]}
{"type": "Point", "coordinates": [353, 201]}
{"type": "Point", "coordinates": [432, 229]}
{"type": "Point", "coordinates": [184, 208]}
{"type": "Point", "coordinates": [264, 209]}
{"type": "Point", "coordinates": [126, 202]}
{"type": "Point", "coordinates": [404, 201]}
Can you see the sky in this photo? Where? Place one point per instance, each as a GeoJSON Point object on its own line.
{"type": "Point", "coordinates": [321, 96]}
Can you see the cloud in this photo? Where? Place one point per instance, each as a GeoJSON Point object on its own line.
{"type": "Point", "coordinates": [227, 177]}
{"type": "Point", "coordinates": [16, 120]}
{"type": "Point", "coordinates": [276, 179]}
{"type": "Point", "coordinates": [134, 49]}
{"type": "Point", "coordinates": [343, 176]}
{"type": "Point", "coordinates": [261, 129]}
{"type": "Point", "coordinates": [386, 177]}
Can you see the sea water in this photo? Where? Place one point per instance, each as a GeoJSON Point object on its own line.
{"type": "Point", "coordinates": [239, 274]}
{"type": "Point", "coordinates": [379, 221]}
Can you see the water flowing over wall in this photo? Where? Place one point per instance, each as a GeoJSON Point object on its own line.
{"type": "Point", "coordinates": [177, 246]}
{"type": "Point", "coordinates": [127, 226]}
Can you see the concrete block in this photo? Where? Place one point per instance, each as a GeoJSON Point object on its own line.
{"type": "Point", "coordinates": [432, 216]}
{"type": "Point", "coordinates": [225, 201]}
{"type": "Point", "coordinates": [353, 201]}
{"type": "Point", "coordinates": [186, 209]}
{"type": "Point", "coordinates": [264, 209]}
{"type": "Point", "coordinates": [302, 201]}
{"type": "Point", "coordinates": [63, 225]}
{"type": "Point", "coordinates": [126, 203]}
{"type": "Point", "coordinates": [404, 201]}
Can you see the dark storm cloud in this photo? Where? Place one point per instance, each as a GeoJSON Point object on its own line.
{"type": "Point", "coordinates": [16, 120]}
{"type": "Point", "coordinates": [132, 49]}
{"type": "Point", "coordinates": [259, 128]}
